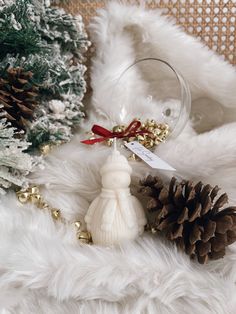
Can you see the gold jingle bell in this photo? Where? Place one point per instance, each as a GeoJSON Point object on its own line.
{"type": "Point", "coordinates": [118, 128]}
{"type": "Point", "coordinates": [56, 213]}
{"type": "Point", "coordinates": [35, 198]}
{"type": "Point", "coordinates": [23, 197]}
{"type": "Point", "coordinates": [110, 142]}
{"type": "Point", "coordinates": [33, 190]}
{"type": "Point", "coordinates": [78, 225]}
{"type": "Point", "coordinates": [43, 205]}
{"type": "Point", "coordinates": [84, 237]}
{"type": "Point", "coordinates": [45, 149]}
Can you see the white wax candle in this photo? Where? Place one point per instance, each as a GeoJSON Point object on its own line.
{"type": "Point", "coordinates": [115, 215]}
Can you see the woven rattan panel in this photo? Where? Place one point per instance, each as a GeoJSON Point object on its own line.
{"type": "Point", "coordinates": [213, 21]}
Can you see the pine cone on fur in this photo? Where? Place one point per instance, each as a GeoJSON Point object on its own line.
{"type": "Point", "coordinates": [18, 96]}
{"type": "Point", "coordinates": [191, 216]}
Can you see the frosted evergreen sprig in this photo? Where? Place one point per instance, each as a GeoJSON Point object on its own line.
{"type": "Point", "coordinates": [15, 164]}
{"type": "Point", "coordinates": [18, 34]}
{"type": "Point", "coordinates": [56, 126]}
{"type": "Point", "coordinates": [68, 31]}
{"type": "Point", "coordinates": [55, 74]}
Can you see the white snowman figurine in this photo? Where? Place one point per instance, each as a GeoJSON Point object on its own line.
{"type": "Point", "coordinates": [115, 215]}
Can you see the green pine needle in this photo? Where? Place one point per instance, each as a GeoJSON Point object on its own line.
{"type": "Point", "coordinates": [22, 42]}
{"type": "Point", "coordinates": [18, 34]}
{"type": "Point", "coordinates": [40, 136]}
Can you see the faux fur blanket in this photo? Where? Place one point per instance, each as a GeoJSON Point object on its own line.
{"type": "Point", "coordinates": [43, 267]}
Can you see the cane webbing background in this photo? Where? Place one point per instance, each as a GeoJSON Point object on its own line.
{"type": "Point", "coordinates": [213, 21]}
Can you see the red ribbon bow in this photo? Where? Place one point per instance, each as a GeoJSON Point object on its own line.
{"type": "Point", "coordinates": [130, 131]}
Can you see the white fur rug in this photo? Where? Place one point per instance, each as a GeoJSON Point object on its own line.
{"type": "Point", "coordinates": [43, 268]}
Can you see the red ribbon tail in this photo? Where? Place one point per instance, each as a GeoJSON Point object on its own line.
{"type": "Point", "coordinates": [93, 141]}
{"type": "Point", "coordinates": [101, 131]}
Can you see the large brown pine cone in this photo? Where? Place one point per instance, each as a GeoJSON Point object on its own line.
{"type": "Point", "coordinates": [190, 216]}
{"type": "Point", "coordinates": [18, 96]}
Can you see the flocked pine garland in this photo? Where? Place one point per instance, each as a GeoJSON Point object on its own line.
{"type": "Point", "coordinates": [44, 40]}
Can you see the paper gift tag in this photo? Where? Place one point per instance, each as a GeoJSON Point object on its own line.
{"type": "Point", "coordinates": [147, 156]}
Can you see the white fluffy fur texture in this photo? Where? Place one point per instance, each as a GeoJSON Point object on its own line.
{"type": "Point", "coordinates": [43, 268]}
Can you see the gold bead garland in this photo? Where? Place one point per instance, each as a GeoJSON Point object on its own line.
{"type": "Point", "coordinates": [32, 195]}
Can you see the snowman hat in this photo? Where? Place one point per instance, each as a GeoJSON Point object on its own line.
{"type": "Point", "coordinates": [116, 162]}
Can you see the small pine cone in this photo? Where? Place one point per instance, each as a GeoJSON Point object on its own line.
{"type": "Point", "coordinates": [18, 96]}
{"type": "Point", "coordinates": [190, 216]}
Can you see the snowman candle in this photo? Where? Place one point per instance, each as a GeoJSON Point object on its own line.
{"type": "Point", "coordinates": [115, 215]}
